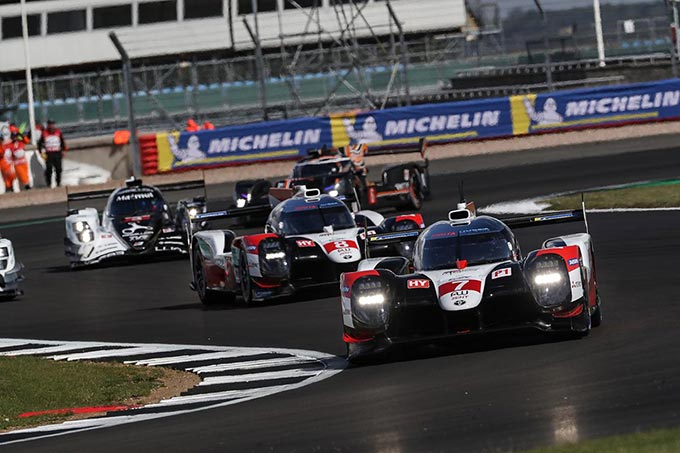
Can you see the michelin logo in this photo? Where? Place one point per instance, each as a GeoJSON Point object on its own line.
{"type": "Point", "coordinates": [442, 123]}
{"type": "Point", "coordinates": [602, 106]}
{"type": "Point", "coordinates": [192, 151]}
{"type": "Point", "coordinates": [549, 115]}
{"type": "Point", "coordinates": [368, 134]}
{"type": "Point", "coordinates": [270, 141]}
{"type": "Point", "coordinates": [621, 104]}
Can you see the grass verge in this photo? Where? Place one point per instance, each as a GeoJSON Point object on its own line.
{"type": "Point", "coordinates": [30, 384]}
{"type": "Point", "coordinates": [661, 195]}
{"type": "Point", "coordinates": [658, 441]}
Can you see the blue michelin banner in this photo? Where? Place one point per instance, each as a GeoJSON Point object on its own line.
{"type": "Point", "coordinates": [596, 107]}
{"type": "Point", "coordinates": [275, 140]}
{"type": "Point", "coordinates": [447, 122]}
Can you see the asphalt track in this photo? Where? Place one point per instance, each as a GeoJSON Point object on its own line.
{"type": "Point", "coordinates": [507, 392]}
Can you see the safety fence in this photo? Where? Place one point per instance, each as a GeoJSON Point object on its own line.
{"type": "Point", "coordinates": [439, 123]}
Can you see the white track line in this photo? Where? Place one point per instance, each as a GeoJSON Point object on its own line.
{"type": "Point", "coordinates": [194, 358]}
{"type": "Point", "coordinates": [108, 353]}
{"type": "Point", "coordinates": [251, 365]}
{"type": "Point", "coordinates": [254, 377]}
{"type": "Point", "coordinates": [259, 370]}
{"type": "Point", "coordinates": [217, 396]}
{"type": "Point", "coordinates": [47, 349]}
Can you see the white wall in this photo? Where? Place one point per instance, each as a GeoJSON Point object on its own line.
{"type": "Point", "coordinates": [186, 36]}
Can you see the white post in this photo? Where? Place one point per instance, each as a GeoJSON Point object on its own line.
{"type": "Point", "coordinates": [598, 32]}
{"type": "Point", "coordinates": [676, 22]}
{"type": "Point", "coordinates": [29, 76]}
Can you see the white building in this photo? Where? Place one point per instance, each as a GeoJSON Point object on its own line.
{"type": "Point", "coordinates": [73, 32]}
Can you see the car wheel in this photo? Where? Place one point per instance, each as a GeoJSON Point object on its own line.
{"type": "Point", "coordinates": [582, 326]}
{"type": "Point", "coordinates": [206, 296]}
{"type": "Point", "coordinates": [414, 197]}
{"type": "Point", "coordinates": [246, 281]}
{"type": "Point", "coordinates": [596, 317]}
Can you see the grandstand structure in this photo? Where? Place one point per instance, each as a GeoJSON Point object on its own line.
{"type": "Point", "coordinates": [195, 57]}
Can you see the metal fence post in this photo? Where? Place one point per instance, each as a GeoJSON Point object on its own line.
{"type": "Point", "coordinates": [132, 126]}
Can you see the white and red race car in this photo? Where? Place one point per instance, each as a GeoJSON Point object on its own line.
{"type": "Point", "coordinates": [467, 275]}
{"type": "Point", "coordinates": [309, 239]}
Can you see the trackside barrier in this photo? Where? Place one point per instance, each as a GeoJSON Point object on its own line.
{"type": "Point", "coordinates": [438, 123]}
{"type": "Point", "coordinates": [149, 154]}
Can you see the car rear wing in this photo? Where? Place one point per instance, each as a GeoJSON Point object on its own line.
{"type": "Point", "coordinates": [231, 213]}
{"type": "Point", "coordinates": [419, 147]}
{"type": "Point", "coordinates": [551, 218]}
{"type": "Point", "coordinates": [101, 194]}
{"type": "Point", "coordinates": [395, 237]}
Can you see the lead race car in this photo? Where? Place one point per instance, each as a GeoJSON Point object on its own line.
{"type": "Point", "coordinates": [11, 271]}
{"type": "Point", "coordinates": [136, 221]}
{"type": "Point", "coordinates": [310, 239]}
{"type": "Point", "coordinates": [467, 276]}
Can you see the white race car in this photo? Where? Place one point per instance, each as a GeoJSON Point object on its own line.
{"type": "Point", "coordinates": [136, 222]}
{"type": "Point", "coordinates": [10, 271]}
{"type": "Point", "coordinates": [309, 239]}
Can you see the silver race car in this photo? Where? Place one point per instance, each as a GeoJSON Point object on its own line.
{"type": "Point", "coordinates": [10, 271]}
{"type": "Point", "coordinates": [136, 221]}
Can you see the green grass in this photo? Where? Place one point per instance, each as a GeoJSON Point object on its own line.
{"type": "Point", "coordinates": [659, 441]}
{"type": "Point", "coordinates": [659, 195]}
{"type": "Point", "coordinates": [29, 384]}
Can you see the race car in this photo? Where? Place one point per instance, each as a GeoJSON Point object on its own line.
{"type": "Point", "coordinates": [342, 173]}
{"type": "Point", "coordinates": [468, 276]}
{"type": "Point", "coordinates": [136, 221]}
{"type": "Point", "coordinates": [310, 239]}
{"type": "Point", "coordinates": [11, 271]}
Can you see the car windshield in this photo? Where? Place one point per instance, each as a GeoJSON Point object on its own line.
{"type": "Point", "coordinates": [318, 169]}
{"type": "Point", "coordinates": [314, 219]}
{"type": "Point", "coordinates": [439, 253]}
{"type": "Point", "coordinates": [136, 204]}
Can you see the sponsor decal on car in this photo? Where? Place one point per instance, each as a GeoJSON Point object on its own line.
{"type": "Point", "coordinates": [341, 246]}
{"type": "Point", "coordinates": [135, 196]}
{"type": "Point", "coordinates": [305, 243]}
{"type": "Point", "coordinates": [418, 283]}
{"type": "Point", "coordinates": [500, 273]}
{"type": "Point", "coordinates": [573, 261]}
{"type": "Point", "coordinates": [460, 287]}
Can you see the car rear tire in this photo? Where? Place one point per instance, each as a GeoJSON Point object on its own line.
{"type": "Point", "coordinates": [246, 281]}
{"type": "Point", "coordinates": [206, 296]}
{"type": "Point", "coordinates": [596, 317]}
{"type": "Point", "coordinates": [415, 198]}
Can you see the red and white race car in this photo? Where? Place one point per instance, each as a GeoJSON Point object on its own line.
{"type": "Point", "coordinates": [467, 275]}
{"type": "Point", "coordinates": [309, 239]}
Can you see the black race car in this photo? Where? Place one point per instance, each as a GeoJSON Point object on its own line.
{"type": "Point", "coordinates": [136, 221]}
{"type": "Point", "coordinates": [342, 173]}
{"type": "Point", "coordinates": [468, 276]}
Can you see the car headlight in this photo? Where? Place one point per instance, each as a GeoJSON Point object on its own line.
{"type": "Point", "coordinates": [370, 296]}
{"type": "Point", "coordinates": [333, 193]}
{"type": "Point", "coordinates": [4, 252]}
{"type": "Point", "coordinates": [83, 231]}
{"type": "Point", "coordinates": [193, 212]}
{"type": "Point", "coordinates": [373, 299]}
{"type": "Point", "coordinates": [273, 262]}
{"type": "Point", "coordinates": [275, 255]}
{"type": "Point", "coordinates": [548, 278]}
{"type": "Point", "coordinates": [241, 203]}
{"type": "Point", "coordinates": [86, 236]}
